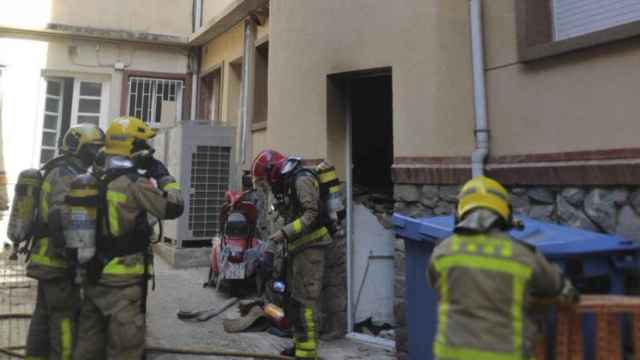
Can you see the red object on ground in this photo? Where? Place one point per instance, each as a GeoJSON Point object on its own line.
{"type": "Point", "coordinates": [235, 202]}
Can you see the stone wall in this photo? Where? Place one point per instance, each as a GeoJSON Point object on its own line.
{"type": "Point", "coordinates": [613, 210]}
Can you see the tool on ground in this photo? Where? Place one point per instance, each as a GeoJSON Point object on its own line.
{"type": "Point", "coordinates": [204, 315]}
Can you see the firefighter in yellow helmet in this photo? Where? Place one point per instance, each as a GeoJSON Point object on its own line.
{"type": "Point", "coordinates": [112, 318]}
{"type": "Point", "coordinates": [52, 328]}
{"type": "Point", "coordinates": [485, 280]}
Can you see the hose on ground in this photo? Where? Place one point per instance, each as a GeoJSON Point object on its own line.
{"type": "Point", "coordinates": [209, 352]}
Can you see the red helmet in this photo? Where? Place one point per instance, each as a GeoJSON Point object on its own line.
{"type": "Point", "coordinates": [268, 165]}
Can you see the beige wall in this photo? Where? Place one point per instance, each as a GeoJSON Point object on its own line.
{"type": "Point", "coordinates": [170, 17]}
{"type": "Point", "coordinates": [225, 51]}
{"type": "Point", "coordinates": [214, 8]}
{"type": "Point", "coordinates": [425, 42]}
{"type": "Point", "coordinates": [584, 100]}
{"type": "Point", "coordinates": [222, 51]}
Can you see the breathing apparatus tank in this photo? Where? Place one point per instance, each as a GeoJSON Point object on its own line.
{"type": "Point", "coordinates": [330, 191]}
{"type": "Point", "coordinates": [24, 210]}
{"type": "Point", "coordinates": [80, 230]}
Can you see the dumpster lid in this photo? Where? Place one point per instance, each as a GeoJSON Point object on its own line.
{"type": "Point", "coordinates": [551, 239]}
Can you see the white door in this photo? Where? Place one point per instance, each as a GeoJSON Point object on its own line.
{"type": "Point", "coordinates": [90, 102]}
{"type": "Point", "coordinates": [52, 119]}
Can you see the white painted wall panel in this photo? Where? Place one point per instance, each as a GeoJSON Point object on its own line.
{"type": "Point", "coordinates": [573, 18]}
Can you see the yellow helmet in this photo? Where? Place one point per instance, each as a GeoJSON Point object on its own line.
{"type": "Point", "coordinates": [483, 192]}
{"type": "Point", "coordinates": [79, 135]}
{"type": "Point", "coordinates": [124, 133]}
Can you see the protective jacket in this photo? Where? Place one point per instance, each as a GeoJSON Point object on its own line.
{"type": "Point", "coordinates": [307, 237]}
{"type": "Point", "coordinates": [485, 281]}
{"type": "Point", "coordinates": [47, 260]}
{"type": "Point", "coordinates": [125, 231]}
{"type": "Point", "coordinates": [112, 318]}
{"type": "Point", "coordinates": [306, 224]}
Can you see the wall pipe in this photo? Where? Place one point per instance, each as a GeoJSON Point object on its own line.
{"type": "Point", "coordinates": [248, 79]}
{"type": "Point", "coordinates": [195, 70]}
{"type": "Point", "coordinates": [482, 132]}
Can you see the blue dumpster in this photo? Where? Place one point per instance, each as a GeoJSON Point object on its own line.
{"type": "Point", "coordinates": [596, 263]}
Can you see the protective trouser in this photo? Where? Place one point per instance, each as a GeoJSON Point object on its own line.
{"type": "Point", "coordinates": [52, 331]}
{"type": "Point", "coordinates": [303, 310]}
{"type": "Point", "coordinates": [111, 324]}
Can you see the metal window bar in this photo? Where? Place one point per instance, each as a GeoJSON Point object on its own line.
{"type": "Point", "coordinates": [146, 96]}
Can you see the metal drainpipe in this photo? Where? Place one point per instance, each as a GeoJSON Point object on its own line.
{"type": "Point", "coordinates": [195, 68]}
{"type": "Point", "coordinates": [248, 79]}
{"type": "Point", "coordinates": [479, 155]}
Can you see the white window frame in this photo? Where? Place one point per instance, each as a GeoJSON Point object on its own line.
{"type": "Point", "coordinates": [104, 100]}
{"type": "Point", "coordinates": [58, 129]}
{"type": "Point", "coordinates": [77, 79]}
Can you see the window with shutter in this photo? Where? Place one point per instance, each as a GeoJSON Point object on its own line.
{"type": "Point", "coordinates": [573, 18]}
{"type": "Point", "coordinates": [551, 27]}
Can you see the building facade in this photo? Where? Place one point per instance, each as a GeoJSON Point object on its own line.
{"type": "Point", "coordinates": [383, 90]}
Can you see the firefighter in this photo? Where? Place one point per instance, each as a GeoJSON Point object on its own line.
{"type": "Point", "coordinates": [112, 317]}
{"type": "Point", "coordinates": [306, 237]}
{"type": "Point", "coordinates": [52, 328]}
{"type": "Point", "coordinates": [485, 280]}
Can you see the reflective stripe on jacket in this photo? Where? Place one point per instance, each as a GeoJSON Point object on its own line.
{"type": "Point", "coordinates": [46, 262]}
{"type": "Point", "coordinates": [484, 284]}
{"type": "Point", "coordinates": [306, 227]}
{"type": "Point", "coordinates": [128, 197]}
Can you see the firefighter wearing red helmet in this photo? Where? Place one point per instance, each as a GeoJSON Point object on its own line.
{"type": "Point", "coordinates": [307, 237]}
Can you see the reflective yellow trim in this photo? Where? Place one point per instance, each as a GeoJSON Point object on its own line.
{"type": "Point", "coordinates": [516, 312]}
{"type": "Point", "coordinates": [308, 349]}
{"type": "Point", "coordinates": [116, 267]}
{"type": "Point", "coordinates": [46, 189]}
{"type": "Point", "coordinates": [114, 198]}
{"type": "Point", "coordinates": [65, 336]}
{"type": "Point", "coordinates": [171, 186]}
{"type": "Point", "coordinates": [488, 244]}
{"type": "Point", "coordinates": [316, 235]}
{"type": "Point", "coordinates": [472, 247]}
{"type": "Point", "coordinates": [334, 189]}
{"type": "Point", "coordinates": [461, 353]}
{"type": "Point", "coordinates": [455, 244]}
{"type": "Point", "coordinates": [521, 274]}
{"type": "Point", "coordinates": [41, 257]}
{"type": "Point", "coordinates": [304, 354]}
{"type": "Point", "coordinates": [443, 308]}
{"type": "Point", "coordinates": [328, 176]}
{"type": "Point", "coordinates": [297, 226]}
{"type": "Point", "coordinates": [83, 192]}
{"type": "Point", "coordinates": [484, 263]}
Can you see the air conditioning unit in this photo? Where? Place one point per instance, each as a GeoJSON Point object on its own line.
{"type": "Point", "coordinates": [201, 157]}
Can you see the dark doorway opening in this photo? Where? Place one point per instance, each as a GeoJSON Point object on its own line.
{"type": "Point", "coordinates": [372, 133]}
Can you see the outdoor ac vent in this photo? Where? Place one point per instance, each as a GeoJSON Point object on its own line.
{"type": "Point", "coordinates": [201, 156]}
{"type": "Point", "coordinates": [210, 169]}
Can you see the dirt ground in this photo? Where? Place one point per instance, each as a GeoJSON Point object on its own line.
{"type": "Point", "coordinates": [175, 290]}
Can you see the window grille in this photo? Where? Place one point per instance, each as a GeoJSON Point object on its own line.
{"type": "Point", "coordinates": [147, 94]}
